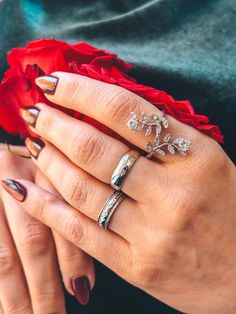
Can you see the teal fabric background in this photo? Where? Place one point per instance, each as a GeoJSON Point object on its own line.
{"type": "Point", "coordinates": [186, 47]}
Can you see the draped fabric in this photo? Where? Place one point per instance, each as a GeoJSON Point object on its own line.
{"type": "Point", "coordinates": [186, 47]}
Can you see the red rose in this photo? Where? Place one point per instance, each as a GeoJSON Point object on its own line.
{"type": "Point", "coordinates": [42, 57]}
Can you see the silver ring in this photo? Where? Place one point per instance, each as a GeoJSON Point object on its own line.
{"type": "Point", "coordinates": [123, 168]}
{"type": "Point", "coordinates": [155, 123]}
{"type": "Point", "coordinates": [109, 208]}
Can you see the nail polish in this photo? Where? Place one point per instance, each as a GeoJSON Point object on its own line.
{"type": "Point", "coordinates": [81, 289]}
{"type": "Point", "coordinates": [30, 115]}
{"type": "Point", "coordinates": [34, 146]}
{"type": "Point", "coordinates": [47, 83]}
{"type": "Point", "coordinates": [14, 188]}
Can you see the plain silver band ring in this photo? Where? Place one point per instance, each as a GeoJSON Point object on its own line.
{"type": "Point", "coordinates": [109, 208]}
{"type": "Point", "coordinates": [123, 168]}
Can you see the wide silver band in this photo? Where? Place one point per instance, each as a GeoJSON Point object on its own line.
{"type": "Point", "coordinates": [109, 207]}
{"type": "Point", "coordinates": [123, 168]}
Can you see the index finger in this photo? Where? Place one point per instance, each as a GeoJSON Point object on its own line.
{"type": "Point", "coordinates": [109, 104]}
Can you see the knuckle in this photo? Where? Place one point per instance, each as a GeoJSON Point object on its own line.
{"type": "Point", "coordinates": [73, 254]}
{"type": "Point", "coordinates": [41, 209]}
{"type": "Point", "coordinates": [168, 252]}
{"type": "Point", "coordinates": [185, 210]}
{"type": "Point", "coordinates": [7, 260]}
{"type": "Point", "coordinates": [75, 231]}
{"type": "Point", "coordinates": [87, 149]}
{"type": "Point", "coordinates": [149, 273]}
{"type": "Point", "coordinates": [46, 300]}
{"type": "Point", "coordinates": [149, 276]}
{"type": "Point", "coordinates": [76, 191]}
{"type": "Point", "coordinates": [46, 122]}
{"type": "Point", "coordinates": [47, 165]}
{"type": "Point", "coordinates": [121, 103]}
{"type": "Point", "coordinates": [23, 307]}
{"type": "Point", "coordinates": [34, 240]}
{"type": "Point", "coordinates": [210, 160]}
{"type": "Point", "coordinates": [73, 89]}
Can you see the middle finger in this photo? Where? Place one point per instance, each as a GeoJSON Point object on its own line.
{"type": "Point", "coordinates": [84, 192]}
{"type": "Point", "coordinates": [95, 152]}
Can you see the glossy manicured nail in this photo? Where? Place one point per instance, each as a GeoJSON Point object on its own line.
{"type": "Point", "coordinates": [34, 146]}
{"type": "Point", "coordinates": [14, 188]}
{"type": "Point", "coordinates": [47, 83]}
{"type": "Point", "coordinates": [30, 115]}
{"type": "Point", "coordinates": [81, 289]}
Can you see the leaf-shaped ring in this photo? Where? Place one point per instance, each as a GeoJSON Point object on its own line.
{"type": "Point", "coordinates": [156, 123]}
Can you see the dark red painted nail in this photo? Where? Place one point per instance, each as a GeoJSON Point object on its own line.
{"type": "Point", "coordinates": [15, 189]}
{"type": "Point", "coordinates": [30, 115]}
{"type": "Point", "coordinates": [34, 146]}
{"type": "Point", "coordinates": [47, 83]}
{"type": "Point", "coordinates": [81, 289]}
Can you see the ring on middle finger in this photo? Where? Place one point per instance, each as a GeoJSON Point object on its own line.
{"type": "Point", "coordinates": [123, 168]}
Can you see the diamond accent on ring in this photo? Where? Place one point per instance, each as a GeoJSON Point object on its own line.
{"type": "Point", "coordinates": [109, 207]}
{"type": "Point", "coordinates": [156, 123]}
{"type": "Point", "coordinates": [180, 145]}
{"type": "Point", "coordinates": [150, 122]}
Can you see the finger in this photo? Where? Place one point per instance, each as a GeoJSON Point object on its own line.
{"type": "Point", "coordinates": [36, 248]}
{"type": "Point", "coordinates": [84, 192]}
{"type": "Point", "coordinates": [105, 246]}
{"type": "Point", "coordinates": [14, 293]}
{"type": "Point", "coordinates": [93, 151]}
{"type": "Point", "coordinates": [77, 267]}
{"type": "Point", "coordinates": [111, 105]}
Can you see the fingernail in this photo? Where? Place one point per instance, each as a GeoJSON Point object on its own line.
{"type": "Point", "coordinates": [34, 146]}
{"type": "Point", "coordinates": [47, 83]}
{"type": "Point", "coordinates": [30, 115]}
{"type": "Point", "coordinates": [14, 188]}
{"type": "Point", "coordinates": [81, 289]}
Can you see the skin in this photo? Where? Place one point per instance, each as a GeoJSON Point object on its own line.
{"type": "Point", "coordinates": [32, 257]}
{"type": "Point", "coordinates": [174, 234]}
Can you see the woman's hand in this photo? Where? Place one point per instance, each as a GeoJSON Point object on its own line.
{"type": "Point", "coordinates": [174, 234]}
{"type": "Point", "coordinates": [31, 257]}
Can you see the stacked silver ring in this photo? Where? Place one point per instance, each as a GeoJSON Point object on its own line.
{"type": "Point", "coordinates": [117, 180]}
{"type": "Point", "coordinates": [161, 145]}
{"type": "Point", "coordinates": [123, 168]}
{"type": "Point", "coordinates": [109, 207]}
